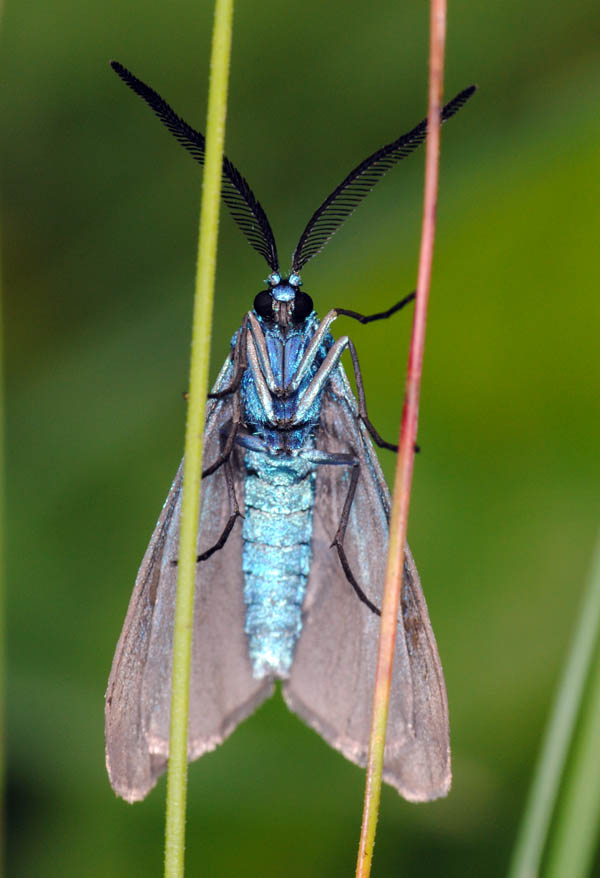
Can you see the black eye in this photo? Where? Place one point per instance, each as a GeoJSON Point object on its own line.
{"type": "Point", "coordinates": [303, 305]}
{"type": "Point", "coordinates": [263, 304]}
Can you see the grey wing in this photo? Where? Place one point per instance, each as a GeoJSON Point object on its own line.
{"type": "Point", "coordinates": [222, 688]}
{"type": "Point", "coordinates": [332, 677]}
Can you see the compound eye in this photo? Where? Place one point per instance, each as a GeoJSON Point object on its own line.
{"type": "Point", "coordinates": [263, 304]}
{"type": "Point", "coordinates": [303, 305]}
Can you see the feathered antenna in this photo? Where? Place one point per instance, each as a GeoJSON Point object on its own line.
{"type": "Point", "coordinates": [244, 207]}
{"type": "Point", "coordinates": [344, 200]}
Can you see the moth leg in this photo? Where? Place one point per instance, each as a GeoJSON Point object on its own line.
{"type": "Point", "coordinates": [362, 403]}
{"type": "Point", "coordinates": [311, 351]}
{"type": "Point", "coordinates": [233, 516]}
{"type": "Point", "coordinates": [323, 458]}
{"type": "Point", "coordinates": [262, 381]}
{"type": "Point", "coordinates": [227, 446]}
{"type": "Point", "coordinates": [381, 315]}
{"type": "Point", "coordinates": [259, 356]}
{"type": "Point", "coordinates": [338, 540]}
{"type": "Point", "coordinates": [328, 365]}
{"type": "Point", "coordinates": [318, 382]}
{"type": "Point", "coordinates": [261, 365]}
{"type": "Point", "coordinates": [323, 328]}
{"type": "Point", "coordinates": [239, 364]}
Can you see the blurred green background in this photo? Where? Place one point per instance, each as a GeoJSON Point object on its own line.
{"type": "Point", "coordinates": [99, 228]}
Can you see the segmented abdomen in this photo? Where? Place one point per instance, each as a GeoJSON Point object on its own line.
{"type": "Point", "coordinates": [277, 530]}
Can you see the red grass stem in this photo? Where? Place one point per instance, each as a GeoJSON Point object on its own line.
{"type": "Point", "coordinates": [408, 436]}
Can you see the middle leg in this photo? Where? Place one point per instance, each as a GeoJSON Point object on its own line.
{"type": "Point", "coordinates": [324, 458]}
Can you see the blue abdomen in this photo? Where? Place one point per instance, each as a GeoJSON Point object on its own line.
{"type": "Point", "coordinates": [277, 532]}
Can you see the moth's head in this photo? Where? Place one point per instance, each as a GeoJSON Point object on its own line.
{"type": "Point", "coordinates": [283, 302]}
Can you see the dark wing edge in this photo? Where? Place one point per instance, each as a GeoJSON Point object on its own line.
{"type": "Point", "coordinates": [222, 689]}
{"type": "Point", "coordinates": [331, 682]}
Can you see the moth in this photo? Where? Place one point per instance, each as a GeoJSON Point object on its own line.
{"type": "Point", "coordinates": [292, 535]}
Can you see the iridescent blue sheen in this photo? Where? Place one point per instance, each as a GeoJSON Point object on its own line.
{"type": "Point", "coordinates": [284, 293]}
{"type": "Point", "coordinates": [277, 530]}
{"type": "Point", "coordinates": [278, 497]}
{"type": "Point", "coordinates": [285, 351]}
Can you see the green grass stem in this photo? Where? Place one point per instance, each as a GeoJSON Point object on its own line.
{"type": "Point", "coordinates": [571, 846]}
{"type": "Point", "coordinates": [2, 589]}
{"type": "Point", "coordinates": [198, 389]}
{"type": "Point", "coordinates": [573, 842]}
{"type": "Point", "coordinates": [2, 571]}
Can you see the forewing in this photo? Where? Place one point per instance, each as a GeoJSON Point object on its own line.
{"type": "Point", "coordinates": [222, 689]}
{"type": "Point", "coordinates": [332, 677]}
{"type": "Point", "coordinates": [131, 769]}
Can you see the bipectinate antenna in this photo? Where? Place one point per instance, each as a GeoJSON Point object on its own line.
{"type": "Point", "coordinates": [346, 197]}
{"type": "Point", "coordinates": [244, 207]}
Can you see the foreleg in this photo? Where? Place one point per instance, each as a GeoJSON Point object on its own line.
{"type": "Point", "coordinates": [381, 315]}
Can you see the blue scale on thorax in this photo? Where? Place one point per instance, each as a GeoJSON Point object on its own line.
{"type": "Point", "coordinates": [279, 491]}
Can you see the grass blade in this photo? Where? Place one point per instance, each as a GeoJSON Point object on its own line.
{"type": "Point", "coordinates": [543, 795]}
{"type": "Point", "coordinates": [200, 354]}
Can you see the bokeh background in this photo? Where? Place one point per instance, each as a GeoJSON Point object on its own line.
{"type": "Point", "coordinates": [99, 226]}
